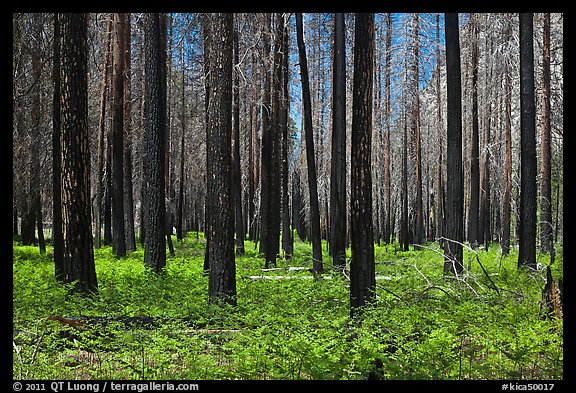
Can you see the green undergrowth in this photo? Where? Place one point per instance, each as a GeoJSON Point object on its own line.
{"type": "Point", "coordinates": [484, 324]}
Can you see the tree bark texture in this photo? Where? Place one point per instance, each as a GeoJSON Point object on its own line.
{"type": "Point", "coordinates": [129, 230]}
{"type": "Point", "coordinates": [154, 146]}
{"type": "Point", "coordinates": [118, 235]}
{"type": "Point", "coordinates": [387, 178]}
{"type": "Point", "coordinates": [419, 225]}
{"type": "Point", "coordinates": [75, 153]}
{"type": "Point", "coordinates": [507, 200]}
{"type": "Point", "coordinates": [266, 144]}
{"type": "Point", "coordinates": [474, 205]}
{"type": "Point", "coordinates": [310, 161]}
{"type": "Point", "coordinates": [236, 168]}
{"type": "Point", "coordinates": [362, 269]}
{"type": "Point", "coordinates": [454, 179]}
{"type": "Point", "coordinates": [180, 218]}
{"type": "Point", "coordinates": [220, 200]}
{"type": "Point", "coordinates": [338, 162]}
{"type": "Point", "coordinates": [101, 138]}
{"type": "Point", "coordinates": [35, 187]}
{"type": "Point", "coordinates": [287, 238]}
{"type": "Point", "coordinates": [57, 240]}
{"type": "Point", "coordinates": [546, 239]}
{"type": "Point", "coordinates": [527, 229]}
{"type": "Point", "coordinates": [439, 182]}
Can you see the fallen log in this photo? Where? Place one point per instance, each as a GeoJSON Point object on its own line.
{"type": "Point", "coordinates": [285, 277]}
{"type": "Point", "coordinates": [84, 322]}
{"type": "Point", "coordinates": [206, 331]}
{"type": "Point", "coordinates": [297, 268]}
{"type": "Point", "coordinates": [271, 269]}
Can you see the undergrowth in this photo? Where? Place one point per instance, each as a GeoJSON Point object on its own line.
{"type": "Point", "coordinates": [485, 324]}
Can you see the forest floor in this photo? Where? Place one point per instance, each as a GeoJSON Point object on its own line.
{"type": "Point", "coordinates": [485, 324]}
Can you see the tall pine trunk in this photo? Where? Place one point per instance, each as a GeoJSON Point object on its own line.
{"type": "Point", "coordinates": [287, 238]}
{"type": "Point", "coordinates": [454, 182]}
{"type": "Point", "coordinates": [527, 229]}
{"type": "Point", "coordinates": [338, 169]}
{"type": "Point", "coordinates": [35, 187]}
{"type": "Point", "coordinates": [362, 269]}
{"type": "Point", "coordinates": [220, 200]}
{"type": "Point", "coordinates": [165, 68]}
{"type": "Point", "coordinates": [387, 178]}
{"type": "Point", "coordinates": [546, 240]}
{"type": "Point", "coordinates": [75, 158]}
{"type": "Point", "coordinates": [404, 237]}
{"type": "Point", "coordinates": [129, 232]}
{"type": "Point", "coordinates": [310, 161]}
{"type": "Point", "coordinates": [507, 199]}
{"type": "Point", "coordinates": [154, 146]}
{"type": "Point", "coordinates": [236, 169]}
{"type": "Point", "coordinates": [101, 138]}
{"type": "Point", "coordinates": [118, 235]}
{"type": "Point", "coordinates": [266, 146]}
{"type": "Point", "coordinates": [440, 129]}
{"type": "Point", "coordinates": [180, 212]}
{"type": "Point", "coordinates": [474, 206]}
{"type": "Point", "coordinates": [419, 227]}
{"type": "Point", "coordinates": [57, 236]}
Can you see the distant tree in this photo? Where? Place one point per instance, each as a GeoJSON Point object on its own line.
{"type": "Point", "coordinates": [236, 168]}
{"type": "Point", "coordinates": [57, 236]}
{"type": "Point", "coordinates": [404, 237]}
{"type": "Point", "coordinates": [474, 205]}
{"type": "Point", "coordinates": [485, 222]}
{"type": "Point", "coordinates": [338, 172]}
{"type": "Point", "coordinates": [310, 161]}
{"type": "Point", "coordinates": [298, 219]}
{"type": "Point", "coordinates": [546, 239]}
{"type": "Point", "coordinates": [206, 26]}
{"type": "Point", "coordinates": [415, 119]}
{"type": "Point", "coordinates": [130, 236]}
{"type": "Point", "coordinates": [271, 151]}
{"type": "Point", "coordinates": [165, 69]}
{"type": "Point", "coordinates": [99, 186]}
{"type": "Point", "coordinates": [35, 211]}
{"type": "Point", "coordinates": [454, 182]}
{"type": "Point", "coordinates": [285, 129]}
{"type": "Point", "coordinates": [362, 269]}
{"type": "Point", "coordinates": [75, 153]}
{"type": "Point", "coordinates": [507, 199]}
{"type": "Point", "coordinates": [118, 235]}
{"type": "Point", "coordinates": [252, 157]}
{"type": "Point", "coordinates": [527, 229]}
{"type": "Point", "coordinates": [387, 178]}
{"type": "Point", "coordinates": [439, 181]}
{"type": "Point", "coordinates": [266, 142]}
{"type": "Point", "coordinates": [180, 212]}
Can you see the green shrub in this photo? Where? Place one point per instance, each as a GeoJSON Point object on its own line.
{"type": "Point", "coordinates": [423, 325]}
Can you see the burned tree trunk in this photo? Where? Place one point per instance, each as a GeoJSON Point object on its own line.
{"type": "Point", "coordinates": [338, 170]}
{"type": "Point", "coordinates": [362, 269]}
{"type": "Point", "coordinates": [310, 161]}
{"type": "Point", "coordinates": [75, 158]}
{"type": "Point", "coordinates": [454, 182]}
{"type": "Point", "coordinates": [221, 261]}
{"type": "Point", "coordinates": [527, 250]}
{"type": "Point", "coordinates": [154, 146]}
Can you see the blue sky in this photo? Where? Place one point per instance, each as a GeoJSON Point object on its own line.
{"type": "Point", "coordinates": [401, 23]}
